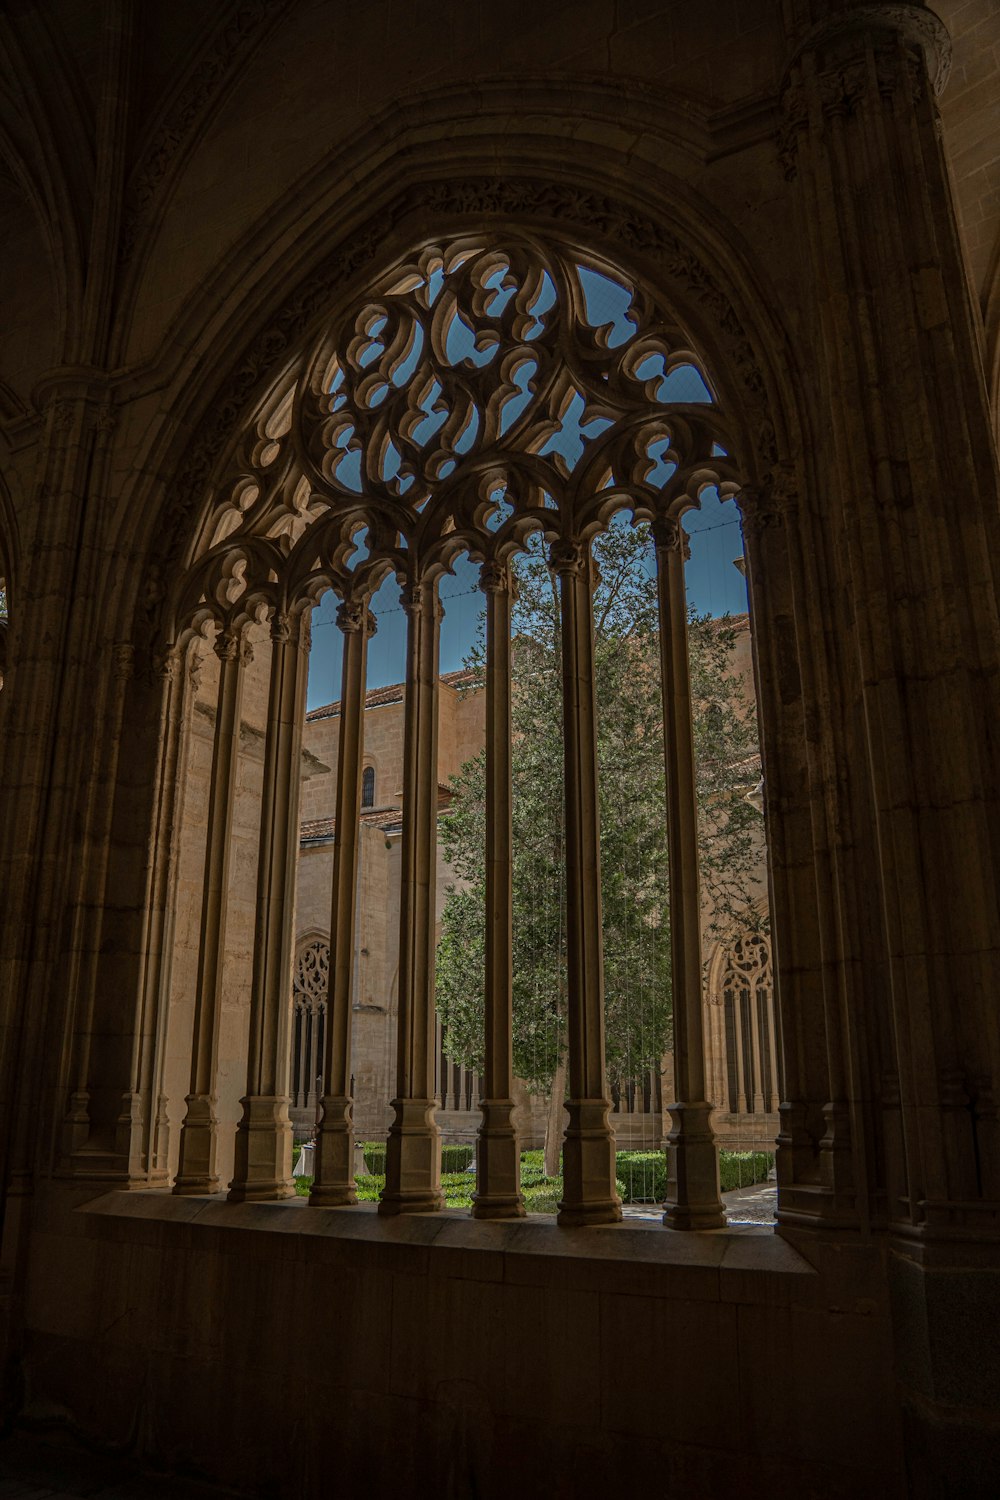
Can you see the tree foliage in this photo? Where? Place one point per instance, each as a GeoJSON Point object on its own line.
{"type": "Point", "coordinates": [634, 872]}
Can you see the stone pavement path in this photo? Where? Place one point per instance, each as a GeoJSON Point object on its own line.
{"type": "Point", "coordinates": [52, 1466]}
{"type": "Point", "coordinates": [749, 1205]}
{"type": "Point", "coordinates": [752, 1205]}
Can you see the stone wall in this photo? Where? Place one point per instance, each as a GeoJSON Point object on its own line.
{"type": "Point", "coordinates": [448, 1360]}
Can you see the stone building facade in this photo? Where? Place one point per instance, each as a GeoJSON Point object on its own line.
{"type": "Point", "coordinates": [230, 236]}
{"type": "Point", "coordinates": [375, 995]}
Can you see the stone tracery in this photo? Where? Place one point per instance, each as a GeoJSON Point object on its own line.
{"type": "Point", "coordinates": [309, 989]}
{"type": "Point", "coordinates": [443, 413]}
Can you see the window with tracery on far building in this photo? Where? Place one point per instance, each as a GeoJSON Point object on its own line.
{"type": "Point", "coordinates": [309, 989]}
{"type": "Point", "coordinates": [747, 996]}
{"type": "Point", "coordinates": [368, 787]}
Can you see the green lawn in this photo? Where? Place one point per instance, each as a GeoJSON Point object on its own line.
{"type": "Point", "coordinates": [642, 1178]}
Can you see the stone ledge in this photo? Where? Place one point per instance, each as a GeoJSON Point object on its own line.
{"type": "Point", "coordinates": [743, 1264]}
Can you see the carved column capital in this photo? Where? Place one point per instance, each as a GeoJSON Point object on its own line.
{"type": "Point", "coordinates": [196, 667]}
{"type": "Point", "coordinates": [105, 421]}
{"type": "Point", "coordinates": [354, 615]}
{"type": "Point", "coordinates": [669, 536]}
{"type": "Point", "coordinates": [913, 24]}
{"type": "Point", "coordinates": [415, 597]}
{"type": "Point", "coordinates": [60, 414]}
{"type": "Point", "coordinates": [869, 48]}
{"type": "Point", "coordinates": [123, 660]}
{"type": "Point", "coordinates": [227, 645]}
{"type": "Point", "coordinates": [568, 558]}
{"type": "Point", "coordinates": [166, 663]}
{"type": "Point", "coordinates": [281, 627]}
{"type": "Point", "coordinates": [494, 578]}
{"type": "Point", "coordinates": [767, 505]}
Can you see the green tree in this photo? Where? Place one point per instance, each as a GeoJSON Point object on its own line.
{"type": "Point", "coordinates": [634, 872]}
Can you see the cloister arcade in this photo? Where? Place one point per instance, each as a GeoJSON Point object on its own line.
{"type": "Point", "coordinates": [300, 308]}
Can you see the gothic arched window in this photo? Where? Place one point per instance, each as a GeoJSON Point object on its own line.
{"type": "Point", "coordinates": [751, 1043]}
{"type": "Point", "coordinates": [309, 987]}
{"type": "Point", "coordinates": [482, 393]}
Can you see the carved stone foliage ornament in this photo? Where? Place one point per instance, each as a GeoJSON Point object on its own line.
{"type": "Point", "coordinates": [908, 45]}
{"type": "Point", "coordinates": [480, 390]}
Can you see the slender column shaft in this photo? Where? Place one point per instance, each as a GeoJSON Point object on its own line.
{"type": "Point", "coordinates": [334, 1179]}
{"type": "Point", "coordinates": [772, 1043]}
{"type": "Point", "coordinates": [498, 1192]}
{"type": "Point", "coordinates": [313, 1057]}
{"type": "Point", "coordinates": [589, 1195]}
{"type": "Point", "coordinates": [693, 1200]}
{"type": "Point", "coordinates": [302, 1090]}
{"type": "Point", "coordinates": [263, 1164]}
{"type": "Point", "coordinates": [756, 1054]}
{"type": "Point", "coordinates": [196, 1169]}
{"type": "Point", "coordinates": [413, 1158]}
{"type": "Point", "coordinates": [741, 1067]}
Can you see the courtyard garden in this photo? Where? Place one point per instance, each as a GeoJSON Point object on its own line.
{"type": "Point", "coordinates": [641, 1176]}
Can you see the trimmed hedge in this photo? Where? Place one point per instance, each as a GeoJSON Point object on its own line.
{"type": "Point", "coordinates": [644, 1175]}
{"type": "Point", "coordinates": [743, 1168]}
{"type": "Point", "coordinates": [456, 1158]}
{"type": "Point", "coordinates": [369, 1185]}
{"type": "Point", "coordinates": [374, 1157]}
{"type": "Point", "coordinates": [543, 1197]}
{"type": "Point", "coordinates": [453, 1158]}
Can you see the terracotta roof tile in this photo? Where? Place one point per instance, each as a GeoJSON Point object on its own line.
{"type": "Point", "coordinates": [391, 693]}
{"type": "Point", "coordinates": [314, 829]}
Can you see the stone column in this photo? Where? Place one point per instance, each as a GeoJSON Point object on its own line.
{"type": "Point", "coordinates": [904, 499]}
{"type": "Point", "coordinates": [263, 1161]}
{"type": "Point", "coordinates": [498, 1187]}
{"type": "Point", "coordinates": [589, 1195]}
{"type": "Point", "coordinates": [413, 1158]}
{"type": "Point", "coordinates": [799, 658]}
{"type": "Point", "coordinates": [196, 1169]}
{"type": "Point", "coordinates": [334, 1175]}
{"type": "Point", "coordinates": [147, 1099]}
{"type": "Point", "coordinates": [896, 346]}
{"type": "Point", "coordinates": [741, 1064]}
{"type": "Point", "coordinates": [693, 1200]}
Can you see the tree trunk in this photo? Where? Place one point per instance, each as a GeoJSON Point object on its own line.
{"type": "Point", "coordinates": [555, 1122]}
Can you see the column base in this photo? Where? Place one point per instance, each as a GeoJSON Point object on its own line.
{"type": "Point", "coordinates": [498, 1164]}
{"type": "Point", "coordinates": [161, 1135]}
{"type": "Point", "coordinates": [693, 1200]}
{"type": "Point", "coordinates": [196, 1174]}
{"type": "Point", "coordinates": [589, 1193]}
{"type": "Point", "coordinates": [413, 1160]}
{"type": "Point", "coordinates": [76, 1124]}
{"type": "Point", "coordinates": [263, 1164]}
{"type": "Point", "coordinates": [333, 1183]}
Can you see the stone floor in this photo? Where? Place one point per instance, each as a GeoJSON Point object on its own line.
{"type": "Point", "coordinates": [752, 1205]}
{"type": "Point", "coordinates": [749, 1205]}
{"type": "Point", "coordinates": [53, 1466]}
